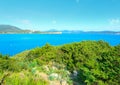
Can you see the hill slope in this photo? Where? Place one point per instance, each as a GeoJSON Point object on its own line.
{"type": "Point", "coordinates": [81, 63]}
{"type": "Point", "coordinates": [9, 28]}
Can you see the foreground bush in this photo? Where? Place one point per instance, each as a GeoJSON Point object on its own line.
{"type": "Point", "coordinates": [95, 62]}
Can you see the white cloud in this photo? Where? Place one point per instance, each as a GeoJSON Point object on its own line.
{"type": "Point", "coordinates": [112, 28]}
{"type": "Point", "coordinates": [77, 1]}
{"type": "Point", "coordinates": [54, 22]}
{"type": "Point", "coordinates": [114, 24]}
{"type": "Point", "coordinates": [114, 21]}
{"type": "Point", "coordinates": [9, 16]}
{"type": "Point", "coordinates": [25, 21]}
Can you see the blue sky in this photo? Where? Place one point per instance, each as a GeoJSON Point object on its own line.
{"type": "Point", "coordinates": [87, 15]}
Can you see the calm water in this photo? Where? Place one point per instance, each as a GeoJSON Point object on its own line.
{"type": "Point", "coordinates": [14, 43]}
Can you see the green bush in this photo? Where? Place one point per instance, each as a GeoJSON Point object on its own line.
{"type": "Point", "coordinates": [96, 62]}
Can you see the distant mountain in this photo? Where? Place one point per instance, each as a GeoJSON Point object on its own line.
{"type": "Point", "coordinates": [9, 28]}
{"type": "Point", "coordinates": [12, 29]}
{"type": "Point", "coordinates": [79, 31]}
{"type": "Point", "coordinates": [52, 30]}
{"type": "Point", "coordinates": [104, 32]}
{"type": "Point", "coordinates": [72, 31]}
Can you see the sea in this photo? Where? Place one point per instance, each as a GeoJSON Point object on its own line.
{"type": "Point", "coordinates": [12, 44]}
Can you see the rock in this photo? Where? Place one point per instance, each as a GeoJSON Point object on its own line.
{"type": "Point", "coordinates": [54, 68]}
{"type": "Point", "coordinates": [75, 73]}
{"type": "Point", "coordinates": [55, 83]}
{"type": "Point", "coordinates": [43, 75]}
{"type": "Point", "coordinates": [63, 82]}
{"type": "Point", "coordinates": [54, 75]}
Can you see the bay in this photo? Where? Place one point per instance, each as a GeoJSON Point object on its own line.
{"type": "Point", "coordinates": [15, 43]}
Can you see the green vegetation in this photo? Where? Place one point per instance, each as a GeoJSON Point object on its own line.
{"type": "Point", "coordinates": [80, 63]}
{"type": "Point", "coordinates": [8, 29]}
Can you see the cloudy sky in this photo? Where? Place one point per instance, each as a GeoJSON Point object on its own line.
{"type": "Point", "coordinates": [87, 15]}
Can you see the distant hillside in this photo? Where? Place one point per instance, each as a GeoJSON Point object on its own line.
{"type": "Point", "coordinates": [13, 29]}
{"type": "Point", "coordinates": [79, 31]}
{"type": "Point", "coordinates": [9, 28]}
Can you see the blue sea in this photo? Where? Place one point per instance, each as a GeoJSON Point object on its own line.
{"type": "Point", "coordinates": [15, 43]}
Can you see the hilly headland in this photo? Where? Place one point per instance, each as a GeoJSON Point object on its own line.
{"type": "Point", "coordinates": [9, 29]}
{"type": "Point", "coordinates": [80, 63]}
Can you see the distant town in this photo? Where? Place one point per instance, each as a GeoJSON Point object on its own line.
{"type": "Point", "coordinates": [8, 29]}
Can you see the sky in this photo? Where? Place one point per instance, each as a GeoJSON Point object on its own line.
{"type": "Point", "coordinates": [86, 15]}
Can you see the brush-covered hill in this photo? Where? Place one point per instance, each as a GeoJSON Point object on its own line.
{"type": "Point", "coordinates": [80, 63]}
{"type": "Point", "coordinates": [9, 28]}
{"type": "Point", "coordinates": [12, 29]}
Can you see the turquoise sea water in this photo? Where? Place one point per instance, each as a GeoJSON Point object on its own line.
{"type": "Point", "coordinates": [14, 43]}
